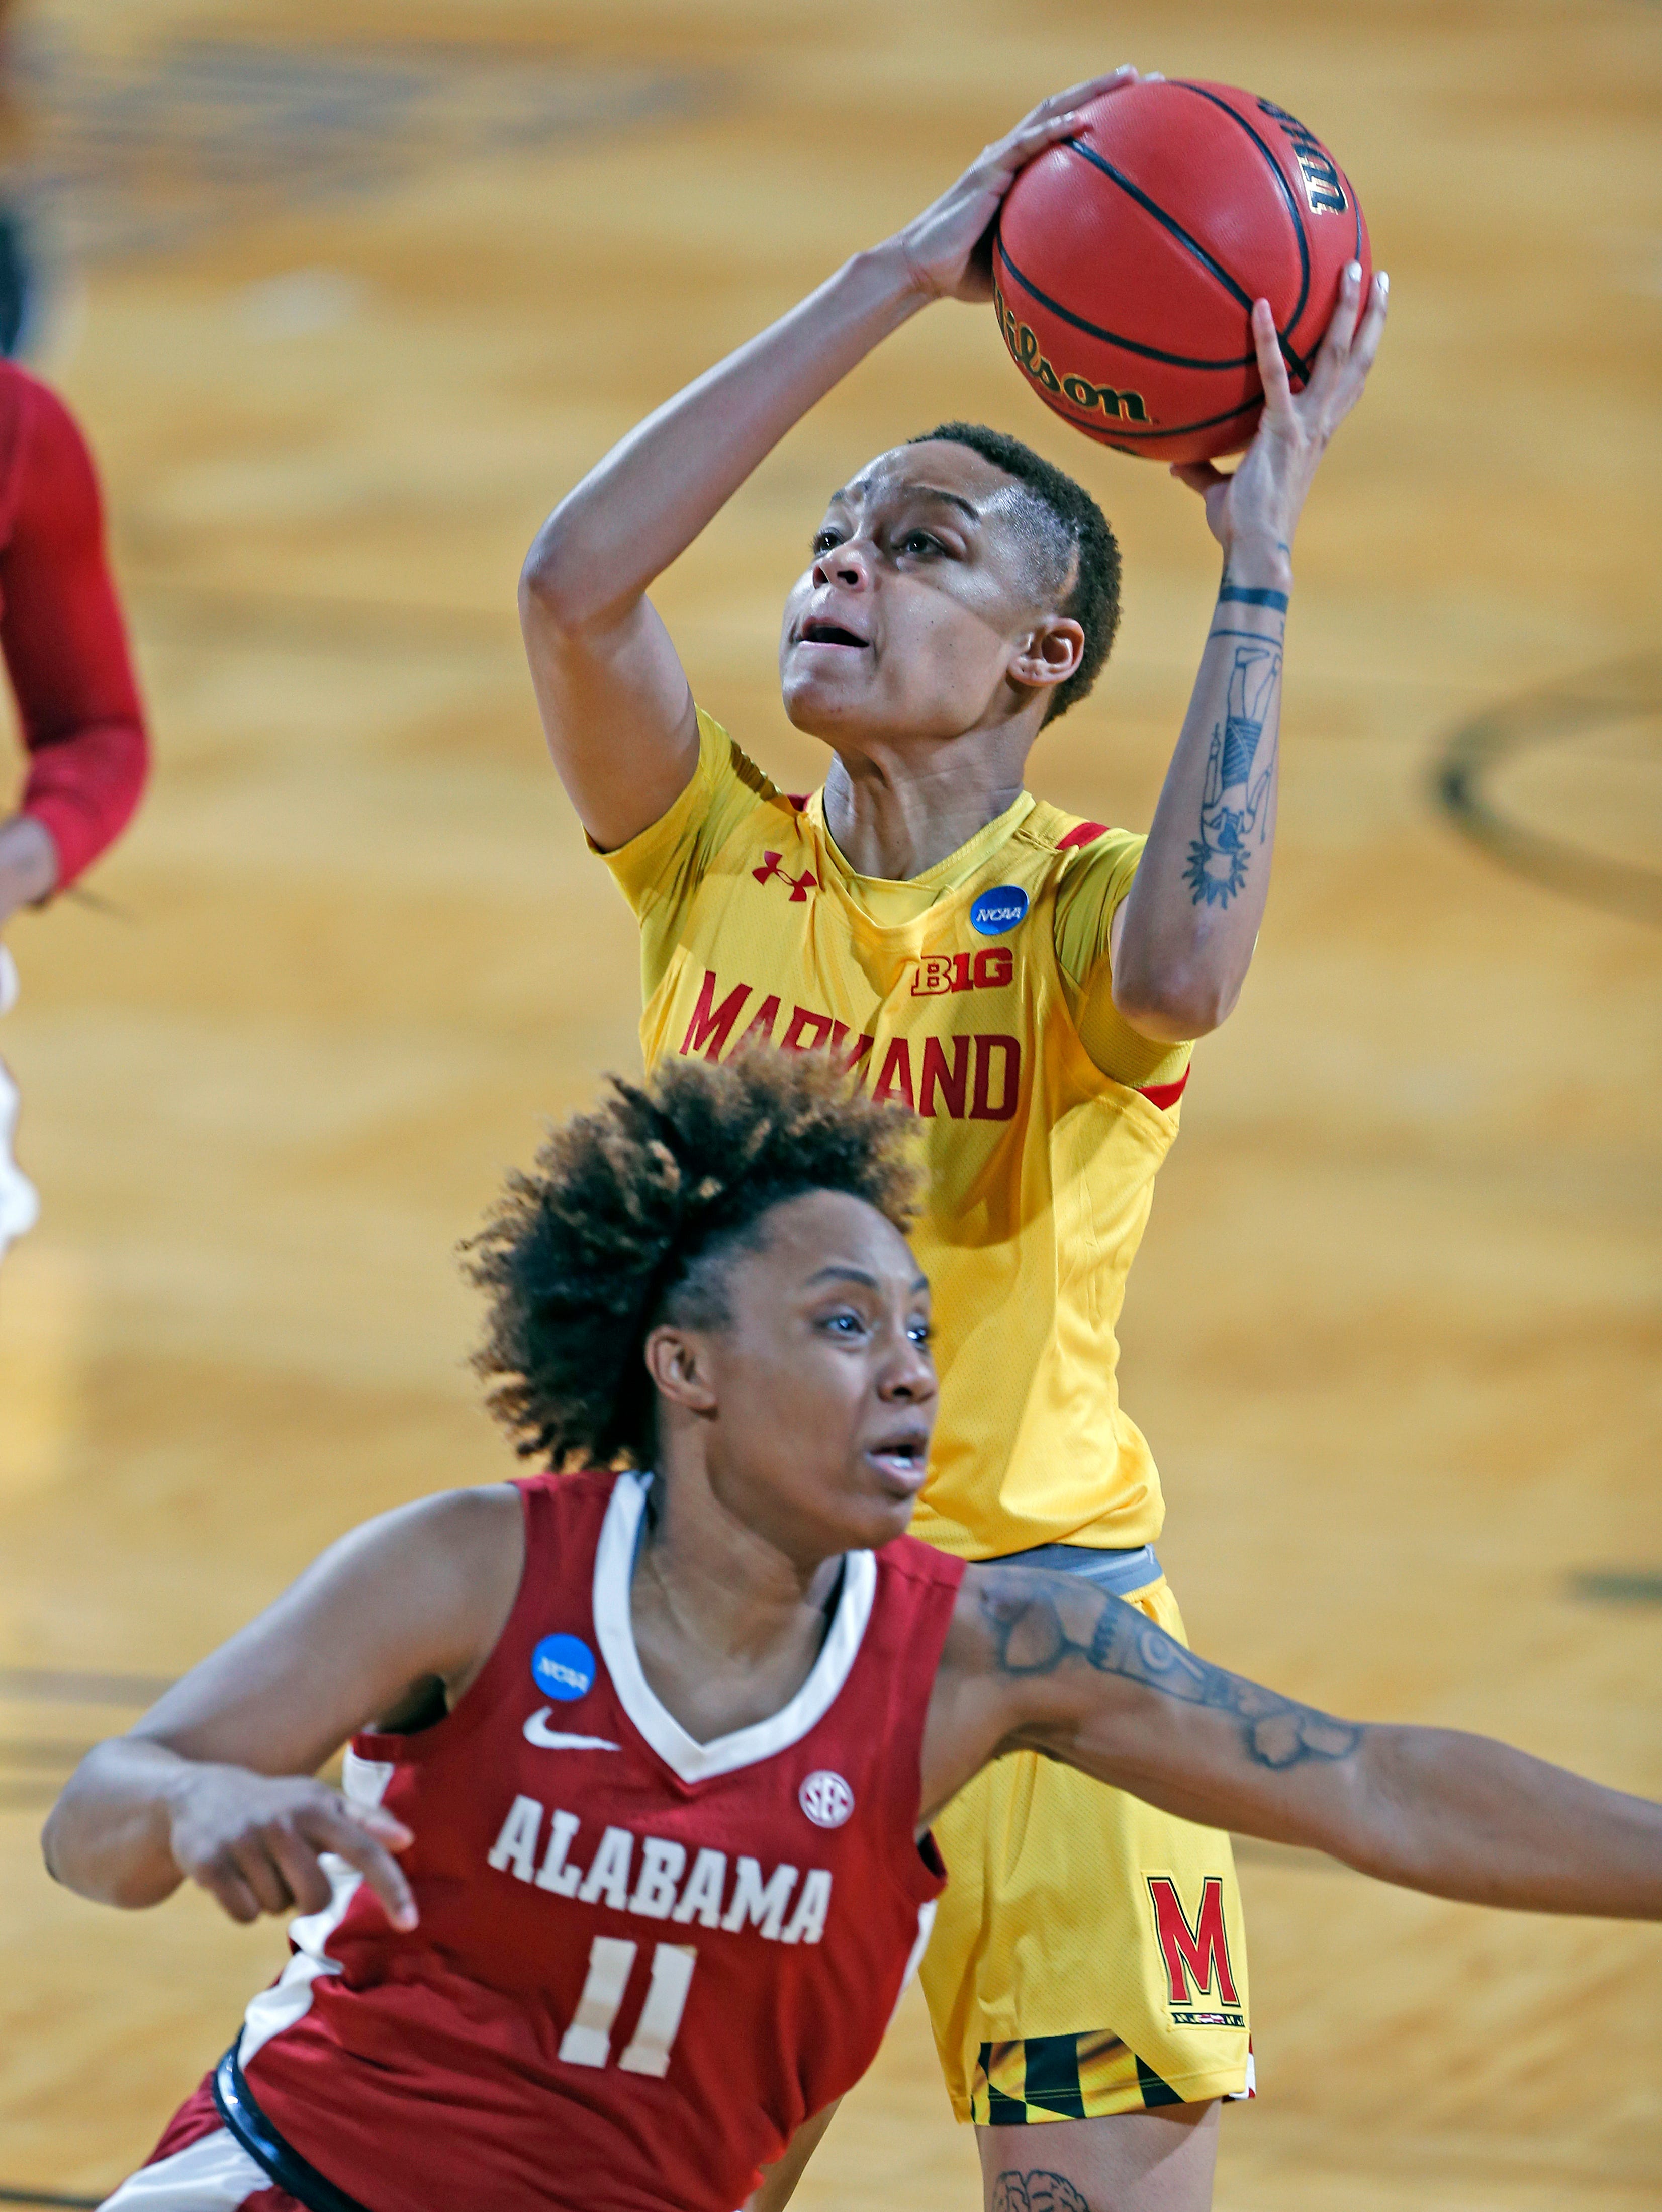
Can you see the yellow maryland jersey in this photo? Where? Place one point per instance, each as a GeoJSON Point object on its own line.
{"type": "Point", "coordinates": [968, 992]}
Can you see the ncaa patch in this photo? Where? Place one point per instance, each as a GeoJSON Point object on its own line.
{"type": "Point", "coordinates": [826, 1798]}
{"type": "Point", "coordinates": [562, 1667]}
{"type": "Point", "coordinates": [998, 910]}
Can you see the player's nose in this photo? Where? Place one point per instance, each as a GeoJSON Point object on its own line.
{"type": "Point", "coordinates": [907, 1374]}
{"type": "Point", "coordinates": [847, 565]}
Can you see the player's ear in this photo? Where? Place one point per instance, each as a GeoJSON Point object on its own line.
{"type": "Point", "coordinates": [677, 1359]}
{"type": "Point", "coordinates": [1049, 654]}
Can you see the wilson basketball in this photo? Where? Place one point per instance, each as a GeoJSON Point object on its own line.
{"type": "Point", "coordinates": [1127, 259]}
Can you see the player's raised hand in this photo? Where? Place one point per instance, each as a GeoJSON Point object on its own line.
{"type": "Point", "coordinates": [1262, 502]}
{"type": "Point", "coordinates": [948, 248]}
{"type": "Point", "coordinates": [253, 1841]}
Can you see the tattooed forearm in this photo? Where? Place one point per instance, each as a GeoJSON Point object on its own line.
{"type": "Point", "coordinates": [1234, 814]}
{"type": "Point", "coordinates": [1036, 1630]}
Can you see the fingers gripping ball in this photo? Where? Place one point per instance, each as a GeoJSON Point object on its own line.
{"type": "Point", "coordinates": [1127, 259]}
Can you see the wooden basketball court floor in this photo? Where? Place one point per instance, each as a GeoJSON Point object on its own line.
{"type": "Point", "coordinates": [360, 291]}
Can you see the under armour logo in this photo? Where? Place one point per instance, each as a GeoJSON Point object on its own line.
{"type": "Point", "coordinates": [800, 885]}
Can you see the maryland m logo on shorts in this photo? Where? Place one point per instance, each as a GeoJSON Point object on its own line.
{"type": "Point", "coordinates": [1200, 1987]}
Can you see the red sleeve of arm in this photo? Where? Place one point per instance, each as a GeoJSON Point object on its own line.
{"type": "Point", "coordinates": [65, 649]}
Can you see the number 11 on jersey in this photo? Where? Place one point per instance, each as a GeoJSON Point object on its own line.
{"type": "Point", "coordinates": [588, 2041]}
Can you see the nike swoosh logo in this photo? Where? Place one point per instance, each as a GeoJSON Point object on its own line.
{"type": "Point", "coordinates": [538, 1731]}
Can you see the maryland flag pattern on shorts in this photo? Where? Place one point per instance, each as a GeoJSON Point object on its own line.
{"type": "Point", "coordinates": [1062, 2077]}
{"type": "Point", "coordinates": [1066, 2077]}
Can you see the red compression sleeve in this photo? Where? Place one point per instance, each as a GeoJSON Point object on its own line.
{"type": "Point", "coordinates": [65, 645]}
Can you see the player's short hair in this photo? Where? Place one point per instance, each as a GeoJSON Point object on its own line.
{"type": "Point", "coordinates": [1073, 539]}
{"type": "Point", "coordinates": [633, 1214]}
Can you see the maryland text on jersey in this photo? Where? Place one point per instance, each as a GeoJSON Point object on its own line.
{"type": "Point", "coordinates": [975, 1078]}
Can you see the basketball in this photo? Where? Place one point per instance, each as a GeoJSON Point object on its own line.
{"type": "Point", "coordinates": [1126, 261]}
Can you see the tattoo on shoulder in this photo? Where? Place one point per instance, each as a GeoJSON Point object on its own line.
{"type": "Point", "coordinates": [1234, 815]}
{"type": "Point", "coordinates": [1038, 2192]}
{"type": "Point", "coordinates": [1036, 1630]}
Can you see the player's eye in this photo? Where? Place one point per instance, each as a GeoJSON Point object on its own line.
{"type": "Point", "coordinates": [824, 540]}
{"type": "Point", "coordinates": [920, 541]}
{"type": "Point", "coordinates": [921, 1333]}
{"type": "Point", "coordinates": [844, 1322]}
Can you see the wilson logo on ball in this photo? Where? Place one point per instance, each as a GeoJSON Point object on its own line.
{"type": "Point", "coordinates": [1316, 164]}
{"type": "Point", "coordinates": [1025, 351]}
{"type": "Point", "coordinates": [826, 1798]}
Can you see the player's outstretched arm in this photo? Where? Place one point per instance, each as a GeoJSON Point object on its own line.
{"type": "Point", "coordinates": [216, 1782]}
{"type": "Point", "coordinates": [1183, 939]}
{"type": "Point", "coordinates": [1043, 1662]}
{"type": "Point", "coordinates": [66, 654]}
{"type": "Point", "coordinates": [614, 699]}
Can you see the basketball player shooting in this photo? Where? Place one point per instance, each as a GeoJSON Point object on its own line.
{"type": "Point", "coordinates": [633, 1858]}
{"type": "Point", "coordinates": [1028, 983]}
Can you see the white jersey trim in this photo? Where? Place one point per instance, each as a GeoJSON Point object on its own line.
{"type": "Point", "coordinates": [614, 1568]}
{"type": "Point", "coordinates": [363, 1781]}
{"type": "Point", "coordinates": [214, 2174]}
{"type": "Point", "coordinates": [925, 1929]}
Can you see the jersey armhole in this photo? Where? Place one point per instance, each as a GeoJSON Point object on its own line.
{"type": "Point", "coordinates": [661, 869]}
{"type": "Point", "coordinates": [918, 1868]}
{"type": "Point", "coordinates": [1078, 991]}
{"type": "Point", "coordinates": [475, 1703]}
{"type": "Point", "coordinates": [1071, 882]}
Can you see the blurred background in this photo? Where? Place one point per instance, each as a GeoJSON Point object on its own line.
{"type": "Point", "coordinates": [345, 297]}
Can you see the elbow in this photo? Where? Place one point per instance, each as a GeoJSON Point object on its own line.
{"type": "Point", "coordinates": [545, 586]}
{"type": "Point", "coordinates": [558, 584]}
{"type": "Point", "coordinates": [62, 1848]}
{"type": "Point", "coordinates": [98, 1848]}
{"type": "Point", "coordinates": [1363, 1822]}
{"type": "Point", "coordinates": [1177, 1006]}
{"type": "Point", "coordinates": [51, 1842]}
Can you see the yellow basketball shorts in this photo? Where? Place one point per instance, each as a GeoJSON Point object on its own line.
{"type": "Point", "coordinates": [1088, 1954]}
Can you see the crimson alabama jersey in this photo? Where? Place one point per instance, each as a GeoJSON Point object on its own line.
{"type": "Point", "coordinates": [642, 1961]}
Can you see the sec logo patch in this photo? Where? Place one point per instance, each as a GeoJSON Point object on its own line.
{"type": "Point", "coordinates": [562, 1667]}
{"type": "Point", "coordinates": [998, 910]}
{"type": "Point", "coordinates": [826, 1798]}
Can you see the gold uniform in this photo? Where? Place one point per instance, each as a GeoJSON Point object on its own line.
{"type": "Point", "coordinates": [1088, 1955]}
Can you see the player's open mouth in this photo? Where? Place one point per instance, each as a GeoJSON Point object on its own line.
{"type": "Point", "coordinates": [903, 1461]}
{"type": "Point", "coordinates": [830, 633]}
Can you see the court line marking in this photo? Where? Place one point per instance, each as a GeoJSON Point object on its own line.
{"type": "Point", "coordinates": [1571, 709]}
{"type": "Point", "coordinates": [1617, 1586]}
{"type": "Point", "coordinates": [74, 1685]}
{"type": "Point", "coordinates": [148, 150]}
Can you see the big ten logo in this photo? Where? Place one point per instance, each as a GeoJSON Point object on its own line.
{"type": "Point", "coordinates": [938, 973]}
{"type": "Point", "coordinates": [1322, 187]}
{"type": "Point", "coordinates": [1023, 343]}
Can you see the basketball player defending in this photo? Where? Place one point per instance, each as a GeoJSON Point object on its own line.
{"type": "Point", "coordinates": [1027, 983]}
{"type": "Point", "coordinates": [625, 1881]}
